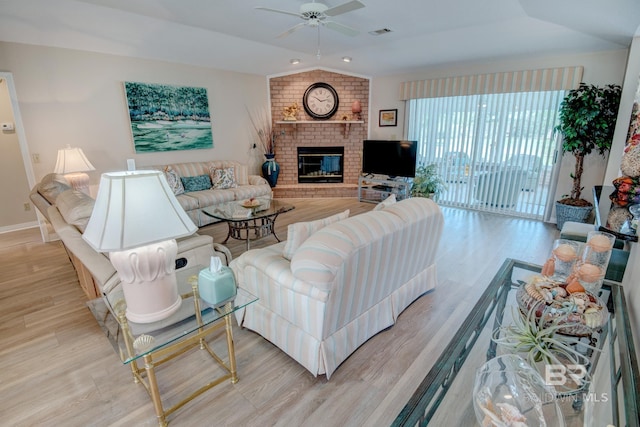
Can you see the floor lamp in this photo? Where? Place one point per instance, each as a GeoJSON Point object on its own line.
{"type": "Point", "coordinates": [136, 218]}
{"type": "Point", "coordinates": [72, 163]}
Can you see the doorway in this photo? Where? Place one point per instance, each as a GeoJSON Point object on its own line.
{"type": "Point", "coordinates": [18, 212]}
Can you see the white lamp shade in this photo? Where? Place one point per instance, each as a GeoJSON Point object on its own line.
{"type": "Point", "coordinates": [72, 160]}
{"type": "Point", "coordinates": [134, 209]}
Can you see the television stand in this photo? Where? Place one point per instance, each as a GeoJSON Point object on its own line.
{"type": "Point", "coordinates": [374, 189]}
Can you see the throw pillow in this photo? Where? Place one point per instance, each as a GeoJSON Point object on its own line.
{"type": "Point", "coordinates": [173, 180]}
{"type": "Point", "coordinates": [299, 232]}
{"type": "Point", "coordinates": [196, 183]}
{"type": "Point", "coordinates": [223, 178]}
{"type": "Point", "coordinates": [75, 207]}
{"type": "Point", "coordinates": [51, 185]}
{"type": "Point", "coordinates": [386, 202]}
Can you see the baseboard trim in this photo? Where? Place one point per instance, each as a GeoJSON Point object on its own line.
{"type": "Point", "coordinates": [16, 227]}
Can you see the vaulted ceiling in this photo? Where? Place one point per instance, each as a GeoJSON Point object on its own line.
{"type": "Point", "coordinates": [234, 35]}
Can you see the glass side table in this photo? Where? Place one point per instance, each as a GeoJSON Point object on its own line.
{"type": "Point", "coordinates": [445, 396]}
{"type": "Point", "coordinates": [159, 342]}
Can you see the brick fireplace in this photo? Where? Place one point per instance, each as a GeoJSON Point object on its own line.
{"type": "Point", "coordinates": [286, 90]}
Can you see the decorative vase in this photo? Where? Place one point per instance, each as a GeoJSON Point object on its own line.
{"type": "Point", "coordinates": [271, 170]}
{"type": "Point", "coordinates": [507, 389]}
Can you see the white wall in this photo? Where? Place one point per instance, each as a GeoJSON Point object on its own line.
{"type": "Point", "coordinates": [75, 97]}
{"type": "Point", "coordinates": [599, 68]}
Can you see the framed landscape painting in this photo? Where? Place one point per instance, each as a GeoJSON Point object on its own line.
{"type": "Point", "coordinates": [168, 118]}
{"type": "Point", "coordinates": [388, 118]}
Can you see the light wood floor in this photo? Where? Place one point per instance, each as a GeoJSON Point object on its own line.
{"type": "Point", "coordinates": [57, 367]}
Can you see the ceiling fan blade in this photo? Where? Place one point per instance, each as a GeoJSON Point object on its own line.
{"type": "Point", "coordinates": [344, 8]}
{"type": "Point", "coordinates": [291, 30]}
{"type": "Point", "coordinates": [279, 11]}
{"type": "Point", "coordinates": [348, 31]}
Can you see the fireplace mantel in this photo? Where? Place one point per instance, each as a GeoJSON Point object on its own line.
{"type": "Point", "coordinates": [347, 123]}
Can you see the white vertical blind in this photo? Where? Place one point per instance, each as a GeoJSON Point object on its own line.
{"type": "Point", "coordinates": [487, 145]}
{"type": "Point", "coordinates": [491, 135]}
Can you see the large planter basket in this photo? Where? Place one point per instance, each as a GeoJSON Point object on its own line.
{"type": "Point", "coordinates": [571, 213]}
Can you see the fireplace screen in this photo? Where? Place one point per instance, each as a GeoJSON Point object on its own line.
{"type": "Point", "coordinates": [320, 164]}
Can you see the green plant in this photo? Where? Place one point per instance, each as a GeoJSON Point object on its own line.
{"type": "Point", "coordinates": [541, 341]}
{"type": "Point", "coordinates": [587, 121]}
{"type": "Point", "coordinates": [427, 182]}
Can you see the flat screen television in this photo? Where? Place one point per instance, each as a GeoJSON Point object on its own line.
{"type": "Point", "coordinates": [393, 158]}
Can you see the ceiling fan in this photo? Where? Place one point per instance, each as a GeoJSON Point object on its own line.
{"type": "Point", "coordinates": [317, 14]}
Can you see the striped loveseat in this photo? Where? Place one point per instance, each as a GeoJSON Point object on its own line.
{"type": "Point", "coordinates": [346, 282]}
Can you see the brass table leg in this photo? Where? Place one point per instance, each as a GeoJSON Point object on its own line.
{"type": "Point", "coordinates": [230, 347]}
{"type": "Point", "coordinates": [155, 392]}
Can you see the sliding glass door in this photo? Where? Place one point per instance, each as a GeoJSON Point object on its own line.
{"type": "Point", "coordinates": [495, 151]}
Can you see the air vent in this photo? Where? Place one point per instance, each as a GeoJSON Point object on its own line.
{"type": "Point", "coordinates": [380, 32]}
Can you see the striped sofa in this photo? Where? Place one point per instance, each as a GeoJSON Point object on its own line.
{"type": "Point", "coordinates": [193, 202]}
{"type": "Point", "coordinates": [344, 283]}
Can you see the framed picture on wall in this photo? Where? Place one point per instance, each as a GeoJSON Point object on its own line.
{"type": "Point", "coordinates": [168, 118]}
{"type": "Point", "coordinates": [388, 118]}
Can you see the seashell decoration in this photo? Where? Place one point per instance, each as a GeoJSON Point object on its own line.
{"type": "Point", "coordinates": [600, 243]}
{"type": "Point", "coordinates": [143, 343]}
{"type": "Point", "coordinates": [589, 272]}
{"type": "Point", "coordinates": [565, 252]}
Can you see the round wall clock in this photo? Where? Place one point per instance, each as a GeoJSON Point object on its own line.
{"type": "Point", "coordinates": [320, 101]}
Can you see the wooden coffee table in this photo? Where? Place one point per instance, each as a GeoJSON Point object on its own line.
{"type": "Point", "coordinates": [249, 223]}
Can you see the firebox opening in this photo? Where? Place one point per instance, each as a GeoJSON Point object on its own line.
{"type": "Point", "coordinates": [320, 164]}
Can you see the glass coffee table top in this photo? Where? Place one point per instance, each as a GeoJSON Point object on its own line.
{"type": "Point", "coordinates": [147, 338]}
{"type": "Point", "coordinates": [249, 223]}
{"type": "Point", "coordinates": [236, 211]}
{"type": "Point", "coordinates": [445, 396]}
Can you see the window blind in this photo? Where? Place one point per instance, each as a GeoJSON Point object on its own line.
{"type": "Point", "coordinates": [491, 136]}
{"type": "Point", "coordinates": [548, 79]}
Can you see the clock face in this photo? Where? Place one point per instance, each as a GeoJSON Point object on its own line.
{"type": "Point", "coordinates": [320, 101]}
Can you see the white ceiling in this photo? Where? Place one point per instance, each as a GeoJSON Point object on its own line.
{"type": "Point", "coordinates": [233, 35]}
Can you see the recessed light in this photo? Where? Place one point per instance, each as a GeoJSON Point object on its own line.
{"type": "Point", "coordinates": [294, 61]}
{"type": "Point", "coordinates": [346, 58]}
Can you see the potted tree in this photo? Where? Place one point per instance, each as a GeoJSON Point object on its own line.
{"type": "Point", "coordinates": [587, 122]}
{"type": "Point", "coordinates": [427, 182]}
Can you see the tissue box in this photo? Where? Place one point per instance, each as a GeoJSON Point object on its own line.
{"type": "Point", "coordinates": [217, 288]}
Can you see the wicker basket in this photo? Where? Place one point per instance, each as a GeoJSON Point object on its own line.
{"type": "Point", "coordinates": [571, 213]}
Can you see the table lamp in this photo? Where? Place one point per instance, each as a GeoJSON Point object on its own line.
{"type": "Point", "coordinates": [72, 163]}
{"type": "Point", "coordinates": [136, 218]}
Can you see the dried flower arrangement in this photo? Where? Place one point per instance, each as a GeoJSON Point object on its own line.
{"type": "Point", "coordinates": [263, 128]}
